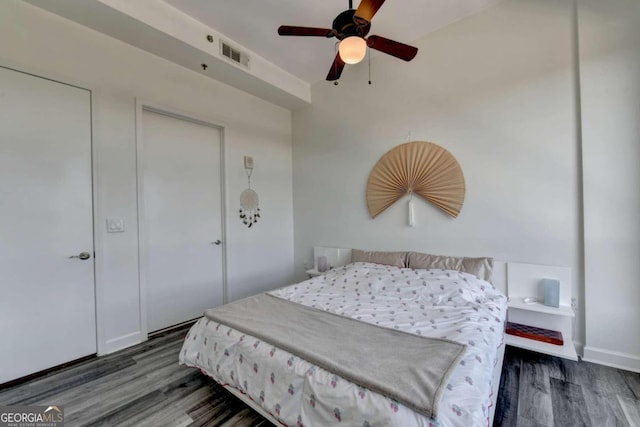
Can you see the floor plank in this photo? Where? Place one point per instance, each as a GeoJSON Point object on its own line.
{"type": "Point", "coordinates": [534, 396]}
{"type": "Point", "coordinates": [568, 404]}
{"type": "Point", "coordinates": [603, 410]}
{"type": "Point", "coordinates": [507, 400]}
{"type": "Point", "coordinates": [633, 382]}
{"type": "Point", "coordinates": [631, 409]}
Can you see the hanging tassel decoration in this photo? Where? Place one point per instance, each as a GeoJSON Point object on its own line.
{"type": "Point", "coordinates": [249, 204]}
{"type": "Point", "coordinates": [249, 211]}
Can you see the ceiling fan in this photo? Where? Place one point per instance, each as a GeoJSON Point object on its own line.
{"type": "Point", "coordinates": [351, 28]}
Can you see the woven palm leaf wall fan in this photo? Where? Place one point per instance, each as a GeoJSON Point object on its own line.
{"type": "Point", "coordinates": [351, 28]}
{"type": "Point", "coordinates": [419, 167]}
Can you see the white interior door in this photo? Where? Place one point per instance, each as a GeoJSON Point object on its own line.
{"type": "Point", "coordinates": [182, 218]}
{"type": "Point", "coordinates": [47, 304]}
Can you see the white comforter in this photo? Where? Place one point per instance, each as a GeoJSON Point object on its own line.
{"type": "Point", "coordinates": [433, 303]}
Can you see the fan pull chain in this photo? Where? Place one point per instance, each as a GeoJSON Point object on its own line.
{"type": "Point", "coordinates": [335, 66]}
{"type": "Point", "coordinates": [369, 55]}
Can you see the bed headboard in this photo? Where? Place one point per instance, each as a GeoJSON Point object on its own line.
{"type": "Point", "coordinates": [337, 257]}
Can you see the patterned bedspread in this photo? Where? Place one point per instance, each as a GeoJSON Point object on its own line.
{"type": "Point", "coordinates": [433, 303]}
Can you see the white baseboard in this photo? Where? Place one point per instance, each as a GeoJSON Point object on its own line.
{"type": "Point", "coordinates": [121, 342]}
{"type": "Point", "coordinates": [615, 359]}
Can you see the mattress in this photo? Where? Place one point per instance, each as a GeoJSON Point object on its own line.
{"type": "Point", "coordinates": [433, 303]}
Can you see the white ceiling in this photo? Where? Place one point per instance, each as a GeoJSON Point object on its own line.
{"type": "Point", "coordinates": [254, 24]}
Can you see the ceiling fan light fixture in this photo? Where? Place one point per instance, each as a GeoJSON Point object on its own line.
{"type": "Point", "coordinates": [352, 27]}
{"type": "Point", "coordinates": [352, 49]}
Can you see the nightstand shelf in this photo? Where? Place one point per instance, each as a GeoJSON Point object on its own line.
{"type": "Point", "coordinates": [524, 281]}
{"type": "Point", "coordinates": [565, 351]}
{"type": "Point", "coordinates": [557, 319]}
{"type": "Point", "coordinates": [563, 310]}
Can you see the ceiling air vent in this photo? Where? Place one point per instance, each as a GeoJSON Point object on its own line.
{"type": "Point", "coordinates": [233, 54]}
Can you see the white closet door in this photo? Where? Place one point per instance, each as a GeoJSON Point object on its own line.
{"type": "Point", "coordinates": [182, 218]}
{"type": "Point", "coordinates": [47, 303]}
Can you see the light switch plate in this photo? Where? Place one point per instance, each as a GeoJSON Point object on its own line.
{"type": "Point", "coordinates": [115, 225]}
{"type": "Point", "coordinates": [248, 162]}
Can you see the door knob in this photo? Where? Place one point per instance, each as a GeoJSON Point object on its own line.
{"type": "Point", "coordinates": [82, 255]}
{"type": "Point", "coordinates": [217, 242]}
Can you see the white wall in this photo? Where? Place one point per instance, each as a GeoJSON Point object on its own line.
{"type": "Point", "coordinates": [259, 258]}
{"type": "Point", "coordinates": [610, 83]}
{"type": "Point", "coordinates": [498, 91]}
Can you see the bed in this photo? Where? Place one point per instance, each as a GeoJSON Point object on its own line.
{"type": "Point", "coordinates": [443, 304]}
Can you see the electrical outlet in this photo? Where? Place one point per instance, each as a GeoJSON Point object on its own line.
{"type": "Point", "coordinates": [574, 304]}
{"type": "Point", "coordinates": [115, 225]}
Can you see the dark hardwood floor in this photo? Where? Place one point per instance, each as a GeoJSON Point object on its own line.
{"type": "Point", "coordinates": [138, 386]}
{"type": "Point", "coordinates": [144, 386]}
{"type": "Point", "coordinates": [541, 390]}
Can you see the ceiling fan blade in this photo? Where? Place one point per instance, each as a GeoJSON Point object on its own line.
{"type": "Point", "coordinates": [336, 68]}
{"type": "Point", "coordinates": [368, 8]}
{"type": "Point", "coordinates": [393, 48]}
{"type": "Point", "coordinates": [287, 30]}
